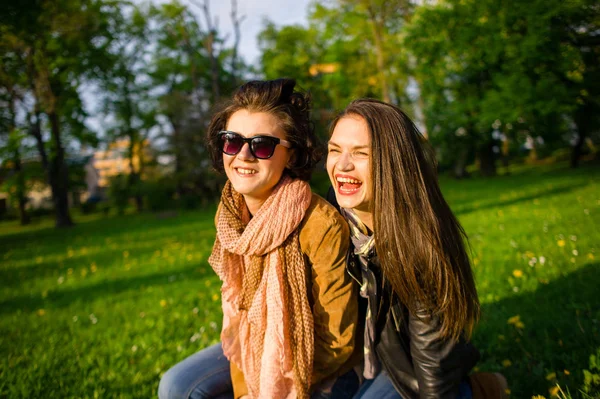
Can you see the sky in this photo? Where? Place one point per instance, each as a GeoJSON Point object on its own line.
{"type": "Point", "coordinates": [281, 12]}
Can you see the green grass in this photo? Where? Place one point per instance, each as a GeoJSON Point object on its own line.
{"type": "Point", "coordinates": [103, 309]}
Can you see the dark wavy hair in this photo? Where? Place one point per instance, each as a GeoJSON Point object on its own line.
{"type": "Point", "coordinates": [291, 107]}
{"type": "Point", "coordinates": [420, 244]}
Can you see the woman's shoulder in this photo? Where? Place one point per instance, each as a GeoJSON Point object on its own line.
{"type": "Point", "coordinates": [322, 225]}
{"type": "Point", "coordinates": [321, 214]}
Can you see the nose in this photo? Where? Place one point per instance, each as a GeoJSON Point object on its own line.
{"type": "Point", "coordinates": [245, 154]}
{"type": "Point", "coordinates": [345, 162]}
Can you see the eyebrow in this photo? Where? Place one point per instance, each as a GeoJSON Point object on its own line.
{"type": "Point", "coordinates": [360, 147]}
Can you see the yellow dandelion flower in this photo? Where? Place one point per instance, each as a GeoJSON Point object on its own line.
{"type": "Point", "coordinates": [126, 254]}
{"type": "Point", "coordinates": [93, 267]}
{"type": "Point", "coordinates": [567, 372]}
{"type": "Point", "coordinates": [507, 391]}
{"type": "Point", "coordinates": [551, 376]}
{"type": "Point", "coordinates": [518, 273]}
{"type": "Point", "coordinates": [70, 253]}
{"type": "Point", "coordinates": [560, 343]}
{"type": "Point", "coordinates": [189, 257]}
{"type": "Point", "coordinates": [39, 259]}
{"type": "Point", "coordinates": [590, 256]}
{"type": "Point", "coordinates": [560, 243]}
{"type": "Point", "coordinates": [514, 319]}
{"type": "Point", "coordinates": [69, 271]}
{"type": "Point", "coordinates": [529, 254]}
{"type": "Point", "coordinates": [163, 303]}
{"type": "Point", "coordinates": [553, 391]}
{"type": "Point", "coordinates": [538, 397]}
{"type": "Point", "coordinates": [519, 325]}
{"type": "Point", "coordinates": [84, 272]}
{"type": "Point", "coordinates": [41, 312]}
{"type": "Point", "coordinates": [506, 363]}
{"type": "Point", "coordinates": [215, 297]}
{"type": "Point", "coordinates": [501, 338]}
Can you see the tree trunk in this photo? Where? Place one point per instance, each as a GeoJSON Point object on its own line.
{"type": "Point", "coordinates": [506, 155]}
{"type": "Point", "coordinates": [55, 167]}
{"type": "Point", "coordinates": [377, 27]}
{"type": "Point", "coordinates": [582, 121]}
{"type": "Point", "coordinates": [59, 176]}
{"type": "Point", "coordinates": [36, 132]}
{"type": "Point", "coordinates": [237, 36]}
{"type": "Point", "coordinates": [486, 157]}
{"type": "Point", "coordinates": [22, 200]}
{"type": "Point", "coordinates": [209, 44]}
{"type": "Point", "coordinates": [460, 166]}
{"type": "Point", "coordinates": [178, 154]}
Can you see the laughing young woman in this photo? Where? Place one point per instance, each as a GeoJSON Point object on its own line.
{"type": "Point", "coordinates": [419, 303]}
{"type": "Point", "coordinates": [289, 307]}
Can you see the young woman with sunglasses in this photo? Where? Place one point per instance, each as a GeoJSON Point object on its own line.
{"type": "Point", "coordinates": [418, 298]}
{"type": "Point", "coordinates": [289, 307]}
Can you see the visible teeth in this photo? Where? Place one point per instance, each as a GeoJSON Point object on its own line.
{"type": "Point", "coordinates": [246, 171]}
{"type": "Point", "coordinates": [348, 180]}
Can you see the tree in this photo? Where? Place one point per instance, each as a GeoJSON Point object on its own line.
{"type": "Point", "coordinates": [189, 70]}
{"type": "Point", "coordinates": [62, 43]}
{"type": "Point", "coordinates": [479, 62]}
{"type": "Point", "coordinates": [128, 104]}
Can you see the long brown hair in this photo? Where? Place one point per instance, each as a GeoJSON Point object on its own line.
{"type": "Point", "coordinates": [419, 241]}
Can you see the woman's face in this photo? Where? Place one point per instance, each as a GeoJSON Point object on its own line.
{"type": "Point", "coordinates": [349, 163]}
{"type": "Point", "coordinates": [255, 178]}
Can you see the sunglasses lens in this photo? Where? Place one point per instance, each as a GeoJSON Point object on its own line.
{"type": "Point", "coordinates": [232, 143]}
{"type": "Point", "coordinates": [263, 147]}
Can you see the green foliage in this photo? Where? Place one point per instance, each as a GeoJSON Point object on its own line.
{"type": "Point", "coordinates": [591, 377]}
{"type": "Point", "coordinates": [159, 195]}
{"type": "Point", "coordinates": [119, 192]}
{"type": "Point", "coordinates": [478, 62]}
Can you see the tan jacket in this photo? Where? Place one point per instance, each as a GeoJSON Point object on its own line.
{"type": "Point", "coordinates": [324, 239]}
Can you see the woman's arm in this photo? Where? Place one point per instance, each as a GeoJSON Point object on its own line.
{"type": "Point", "coordinates": [440, 363]}
{"type": "Point", "coordinates": [324, 240]}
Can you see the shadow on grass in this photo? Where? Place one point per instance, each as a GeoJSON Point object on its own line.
{"type": "Point", "coordinates": [465, 209]}
{"type": "Point", "coordinates": [55, 242]}
{"type": "Point", "coordinates": [12, 277]}
{"type": "Point", "coordinates": [561, 330]}
{"type": "Point", "coordinates": [66, 297]}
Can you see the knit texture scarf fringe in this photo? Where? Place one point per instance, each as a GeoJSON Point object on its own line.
{"type": "Point", "coordinates": [267, 320]}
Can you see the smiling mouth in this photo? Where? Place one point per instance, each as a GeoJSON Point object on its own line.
{"type": "Point", "coordinates": [245, 171]}
{"type": "Point", "coordinates": [347, 185]}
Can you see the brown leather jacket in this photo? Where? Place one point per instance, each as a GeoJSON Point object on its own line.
{"type": "Point", "coordinates": [420, 364]}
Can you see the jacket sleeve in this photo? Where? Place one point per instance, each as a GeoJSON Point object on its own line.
{"type": "Point", "coordinates": [439, 363]}
{"type": "Point", "coordinates": [324, 240]}
{"type": "Point", "coordinates": [237, 381]}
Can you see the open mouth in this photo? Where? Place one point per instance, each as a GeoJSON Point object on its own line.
{"type": "Point", "coordinates": [347, 185]}
{"type": "Point", "coordinates": [245, 171]}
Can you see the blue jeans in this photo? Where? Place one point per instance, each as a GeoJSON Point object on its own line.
{"type": "Point", "coordinates": [381, 387]}
{"type": "Point", "coordinates": [206, 374]}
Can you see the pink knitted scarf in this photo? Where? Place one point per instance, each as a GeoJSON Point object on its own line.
{"type": "Point", "coordinates": [267, 320]}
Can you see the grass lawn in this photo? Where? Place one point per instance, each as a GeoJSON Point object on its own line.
{"type": "Point", "coordinates": [103, 309]}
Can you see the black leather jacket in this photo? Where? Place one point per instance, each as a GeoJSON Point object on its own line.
{"type": "Point", "coordinates": [419, 363]}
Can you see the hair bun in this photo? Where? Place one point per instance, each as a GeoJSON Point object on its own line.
{"type": "Point", "coordinates": [299, 101]}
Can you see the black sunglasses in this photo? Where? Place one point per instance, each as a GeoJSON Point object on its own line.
{"type": "Point", "coordinates": [261, 147]}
